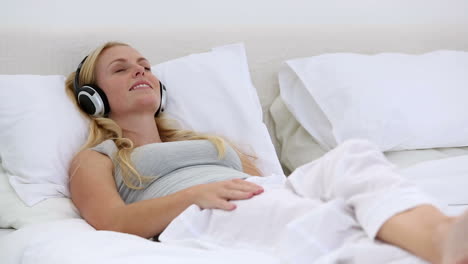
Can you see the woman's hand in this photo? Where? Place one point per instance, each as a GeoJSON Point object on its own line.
{"type": "Point", "coordinates": [217, 195]}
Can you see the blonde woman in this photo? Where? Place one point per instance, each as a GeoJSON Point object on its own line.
{"type": "Point", "coordinates": [140, 174]}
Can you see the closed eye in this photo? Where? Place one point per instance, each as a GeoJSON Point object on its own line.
{"type": "Point", "coordinates": [120, 70]}
{"type": "Point", "coordinates": [147, 68]}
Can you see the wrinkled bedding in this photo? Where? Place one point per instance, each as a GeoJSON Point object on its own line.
{"type": "Point", "coordinates": [74, 241]}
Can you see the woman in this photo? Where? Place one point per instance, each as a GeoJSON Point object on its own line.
{"type": "Point", "coordinates": [138, 174]}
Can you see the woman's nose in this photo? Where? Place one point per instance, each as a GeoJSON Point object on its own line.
{"type": "Point", "coordinates": [139, 70]}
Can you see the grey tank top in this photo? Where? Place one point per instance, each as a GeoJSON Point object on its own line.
{"type": "Point", "coordinates": [173, 166]}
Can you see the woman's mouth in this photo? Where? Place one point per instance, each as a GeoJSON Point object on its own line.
{"type": "Point", "coordinates": [141, 86]}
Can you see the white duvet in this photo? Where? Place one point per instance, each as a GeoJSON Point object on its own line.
{"type": "Point", "coordinates": [74, 241]}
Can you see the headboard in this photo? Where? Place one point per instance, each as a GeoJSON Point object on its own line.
{"type": "Point", "coordinates": [59, 50]}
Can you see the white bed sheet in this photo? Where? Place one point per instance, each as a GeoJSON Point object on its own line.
{"type": "Point", "coordinates": [407, 158]}
{"type": "Point", "coordinates": [74, 241]}
{"type": "Point", "coordinates": [446, 179]}
{"type": "Point", "coordinates": [439, 172]}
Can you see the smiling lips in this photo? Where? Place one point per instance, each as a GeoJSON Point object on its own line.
{"type": "Point", "coordinates": [140, 86]}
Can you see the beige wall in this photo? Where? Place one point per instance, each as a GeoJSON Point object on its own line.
{"type": "Point", "coordinates": [56, 13]}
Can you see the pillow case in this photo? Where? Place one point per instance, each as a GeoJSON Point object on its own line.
{"type": "Point", "coordinates": [398, 101]}
{"type": "Point", "coordinates": [41, 130]}
{"type": "Point", "coordinates": [297, 146]}
{"type": "Point", "coordinates": [15, 214]}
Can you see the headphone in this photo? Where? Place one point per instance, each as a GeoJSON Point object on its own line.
{"type": "Point", "coordinates": [93, 100]}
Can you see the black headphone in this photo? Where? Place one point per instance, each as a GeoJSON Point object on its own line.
{"type": "Point", "coordinates": [94, 101]}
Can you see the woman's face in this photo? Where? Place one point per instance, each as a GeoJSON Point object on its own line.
{"type": "Point", "coordinates": [125, 76]}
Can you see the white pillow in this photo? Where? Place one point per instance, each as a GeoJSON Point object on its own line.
{"type": "Point", "coordinates": [398, 101]}
{"type": "Point", "coordinates": [15, 214]}
{"type": "Point", "coordinates": [40, 130]}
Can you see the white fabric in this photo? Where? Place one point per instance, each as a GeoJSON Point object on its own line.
{"type": "Point", "coordinates": [352, 186]}
{"type": "Point", "coordinates": [298, 147]}
{"type": "Point", "coordinates": [14, 213]}
{"type": "Point", "coordinates": [75, 242]}
{"type": "Point", "coordinates": [446, 179]}
{"type": "Point", "coordinates": [398, 101]}
{"type": "Point", "coordinates": [40, 129]}
{"type": "Point", "coordinates": [440, 172]}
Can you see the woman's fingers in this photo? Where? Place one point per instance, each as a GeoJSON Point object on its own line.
{"type": "Point", "coordinates": [246, 186]}
{"type": "Point", "coordinates": [225, 205]}
{"type": "Point", "coordinates": [218, 194]}
{"type": "Point", "coordinates": [236, 195]}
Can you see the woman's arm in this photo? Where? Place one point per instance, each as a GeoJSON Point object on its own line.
{"type": "Point", "coordinates": [95, 195]}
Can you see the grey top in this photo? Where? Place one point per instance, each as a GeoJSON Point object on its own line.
{"type": "Point", "coordinates": [173, 166]}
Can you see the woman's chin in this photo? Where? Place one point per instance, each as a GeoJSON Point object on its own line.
{"type": "Point", "coordinates": [145, 105]}
{"type": "Point", "coordinates": [145, 101]}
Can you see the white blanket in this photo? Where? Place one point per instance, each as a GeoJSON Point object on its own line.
{"type": "Point", "coordinates": [74, 241]}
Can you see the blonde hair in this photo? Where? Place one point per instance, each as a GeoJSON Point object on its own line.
{"type": "Point", "coordinates": [102, 128]}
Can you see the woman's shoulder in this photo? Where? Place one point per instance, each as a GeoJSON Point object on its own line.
{"type": "Point", "coordinates": [89, 158]}
{"type": "Point", "coordinates": [102, 152]}
{"type": "Point", "coordinates": [106, 147]}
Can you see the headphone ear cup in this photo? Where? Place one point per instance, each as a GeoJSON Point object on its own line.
{"type": "Point", "coordinates": [103, 96]}
{"type": "Point", "coordinates": [163, 101]}
{"type": "Point", "coordinates": [93, 101]}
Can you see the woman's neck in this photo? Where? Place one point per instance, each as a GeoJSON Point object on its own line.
{"type": "Point", "coordinates": [141, 129]}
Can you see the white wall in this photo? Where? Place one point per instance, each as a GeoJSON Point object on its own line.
{"type": "Point", "coordinates": [58, 13]}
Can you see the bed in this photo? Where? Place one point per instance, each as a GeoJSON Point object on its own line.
{"type": "Point", "coordinates": [57, 51]}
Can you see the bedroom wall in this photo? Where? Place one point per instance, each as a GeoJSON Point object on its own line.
{"type": "Point", "coordinates": [67, 13]}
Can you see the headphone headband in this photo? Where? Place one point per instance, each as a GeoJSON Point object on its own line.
{"type": "Point", "coordinates": [76, 81]}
